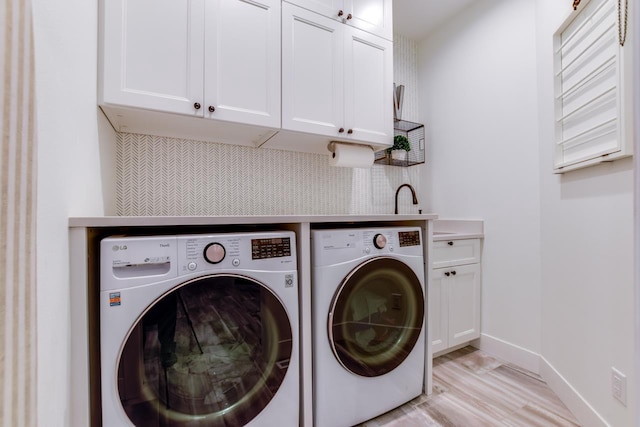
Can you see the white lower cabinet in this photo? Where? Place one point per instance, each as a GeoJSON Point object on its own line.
{"type": "Point", "coordinates": [454, 304]}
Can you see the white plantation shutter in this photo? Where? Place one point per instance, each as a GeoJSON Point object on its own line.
{"type": "Point", "coordinates": [589, 88]}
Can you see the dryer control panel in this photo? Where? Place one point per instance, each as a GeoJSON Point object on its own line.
{"type": "Point", "coordinates": [335, 246]}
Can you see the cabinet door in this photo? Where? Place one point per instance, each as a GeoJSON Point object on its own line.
{"type": "Point", "coordinates": [152, 54]}
{"type": "Point", "coordinates": [242, 61]}
{"type": "Point", "coordinates": [372, 16]}
{"type": "Point", "coordinates": [438, 310]}
{"type": "Point", "coordinates": [328, 8]}
{"type": "Point", "coordinates": [447, 253]}
{"type": "Point", "coordinates": [312, 68]}
{"type": "Point", "coordinates": [368, 87]}
{"type": "Point", "coordinates": [464, 303]}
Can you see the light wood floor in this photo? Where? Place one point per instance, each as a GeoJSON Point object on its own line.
{"type": "Point", "coordinates": [473, 389]}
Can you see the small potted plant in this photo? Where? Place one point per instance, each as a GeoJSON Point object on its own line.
{"type": "Point", "coordinates": [400, 148]}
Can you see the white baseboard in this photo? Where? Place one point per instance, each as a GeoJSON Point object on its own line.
{"type": "Point", "coordinates": [582, 410]}
{"type": "Point", "coordinates": [509, 352]}
{"type": "Point", "coordinates": [536, 363]}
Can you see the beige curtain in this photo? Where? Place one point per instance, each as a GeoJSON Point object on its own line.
{"type": "Point", "coordinates": [17, 217]}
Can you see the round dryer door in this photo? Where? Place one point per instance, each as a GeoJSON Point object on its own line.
{"type": "Point", "coordinates": [212, 352]}
{"type": "Point", "coordinates": [376, 317]}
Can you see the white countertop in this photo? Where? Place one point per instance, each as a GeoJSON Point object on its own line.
{"type": "Point", "coordinates": [151, 221]}
{"type": "Point", "coordinates": [455, 229]}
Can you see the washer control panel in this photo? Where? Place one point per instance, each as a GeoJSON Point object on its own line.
{"type": "Point", "coordinates": [267, 250]}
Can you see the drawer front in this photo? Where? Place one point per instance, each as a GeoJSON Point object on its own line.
{"type": "Point", "coordinates": [447, 253]}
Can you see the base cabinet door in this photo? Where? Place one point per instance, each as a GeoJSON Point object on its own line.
{"type": "Point", "coordinates": [464, 303]}
{"type": "Point", "coordinates": [454, 306]}
{"type": "Point", "coordinates": [438, 312]}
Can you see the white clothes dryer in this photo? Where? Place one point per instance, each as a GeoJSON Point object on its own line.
{"type": "Point", "coordinates": [199, 330]}
{"type": "Point", "coordinates": [368, 302]}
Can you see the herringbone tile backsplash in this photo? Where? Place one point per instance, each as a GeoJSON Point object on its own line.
{"type": "Point", "coordinates": [175, 177]}
{"type": "Point", "coordinates": [168, 176]}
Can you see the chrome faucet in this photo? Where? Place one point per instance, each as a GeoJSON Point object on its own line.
{"type": "Point", "coordinates": [413, 194]}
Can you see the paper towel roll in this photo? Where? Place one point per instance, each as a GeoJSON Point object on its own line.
{"type": "Point", "coordinates": [351, 156]}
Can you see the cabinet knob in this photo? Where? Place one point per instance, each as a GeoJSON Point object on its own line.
{"type": "Point", "coordinates": [196, 106]}
{"type": "Point", "coordinates": [350, 131]}
{"type": "Point", "coordinates": [212, 108]}
{"type": "Point", "coordinates": [340, 130]}
{"type": "Point", "coordinates": [450, 243]}
{"type": "Point", "coordinates": [453, 273]}
{"type": "Point", "coordinates": [349, 17]}
{"type": "Point", "coordinates": [447, 274]}
{"type": "Point", "coordinates": [340, 13]}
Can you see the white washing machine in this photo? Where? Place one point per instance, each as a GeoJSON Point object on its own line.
{"type": "Point", "coordinates": [199, 330]}
{"type": "Point", "coordinates": [368, 301]}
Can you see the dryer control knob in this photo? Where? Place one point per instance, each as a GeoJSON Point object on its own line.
{"type": "Point", "coordinates": [214, 253]}
{"type": "Point", "coordinates": [379, 241]}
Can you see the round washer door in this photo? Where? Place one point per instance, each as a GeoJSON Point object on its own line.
{"type": "Point", "coordinates": [212, 352]}
{"type": "Point", "coordinates": [376, 316]}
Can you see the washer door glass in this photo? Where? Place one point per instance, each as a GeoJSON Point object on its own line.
{"type": "Point", "coordinates": [212, 352]}
{"type": "Point", "coordinates": [376, 317]}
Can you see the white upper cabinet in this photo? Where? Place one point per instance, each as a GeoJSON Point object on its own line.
{"type": "Point", "coordinates": [337, 80]}
{"type": "Point", "coordinates": [312, 72]}
{"type": "Point", "coordinates": [242, 61]}
{"type": "Point", "coordinates": [152, 54]}
{"type": "Point", "coordinates": [261, 73]}
{"type": "Point", "coordinates": [217, 59]}
{"type": "Point", "coordinates": [372, 16]}
{"type": "Point", "coordinates": [368, 87]}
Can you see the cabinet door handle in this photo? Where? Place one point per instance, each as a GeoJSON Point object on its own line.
{"type": "Point", "coordinates": [196, 105]}
{"type": "Point", "coordinates": [340, 13]}
{"type": "Point", "coordinates": [453, 273]}
{"type": "Point", "coordinates": [212, 108]}
{"type": "Point", "coordinates": [350, 131]}
{"type": "Point", "coordinates": [340, 130]}
{"type": "Point", "coordinates": [349, 17]}
{"type": "Point", "coordinates": [450, 243]}
{"type": "Point", "coordinates": [447, 274]}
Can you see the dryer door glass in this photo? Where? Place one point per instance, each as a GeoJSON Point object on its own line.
{"type": "Point", "coordinates": [212, 352]}
{"type": "Point", "coordinates": [376, 317]}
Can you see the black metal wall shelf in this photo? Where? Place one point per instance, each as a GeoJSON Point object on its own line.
{"type": "Point", "coordinates": [414, 132]}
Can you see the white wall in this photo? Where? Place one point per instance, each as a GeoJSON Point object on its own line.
{"type": "Point", "coordinates": [478, 101]}
{"type": "Point", "coordinates": [69, 184]}
{"type": "Point", "coordinates": [587, 258]}
{"type": "Point", "coordinates": [558, 254]}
